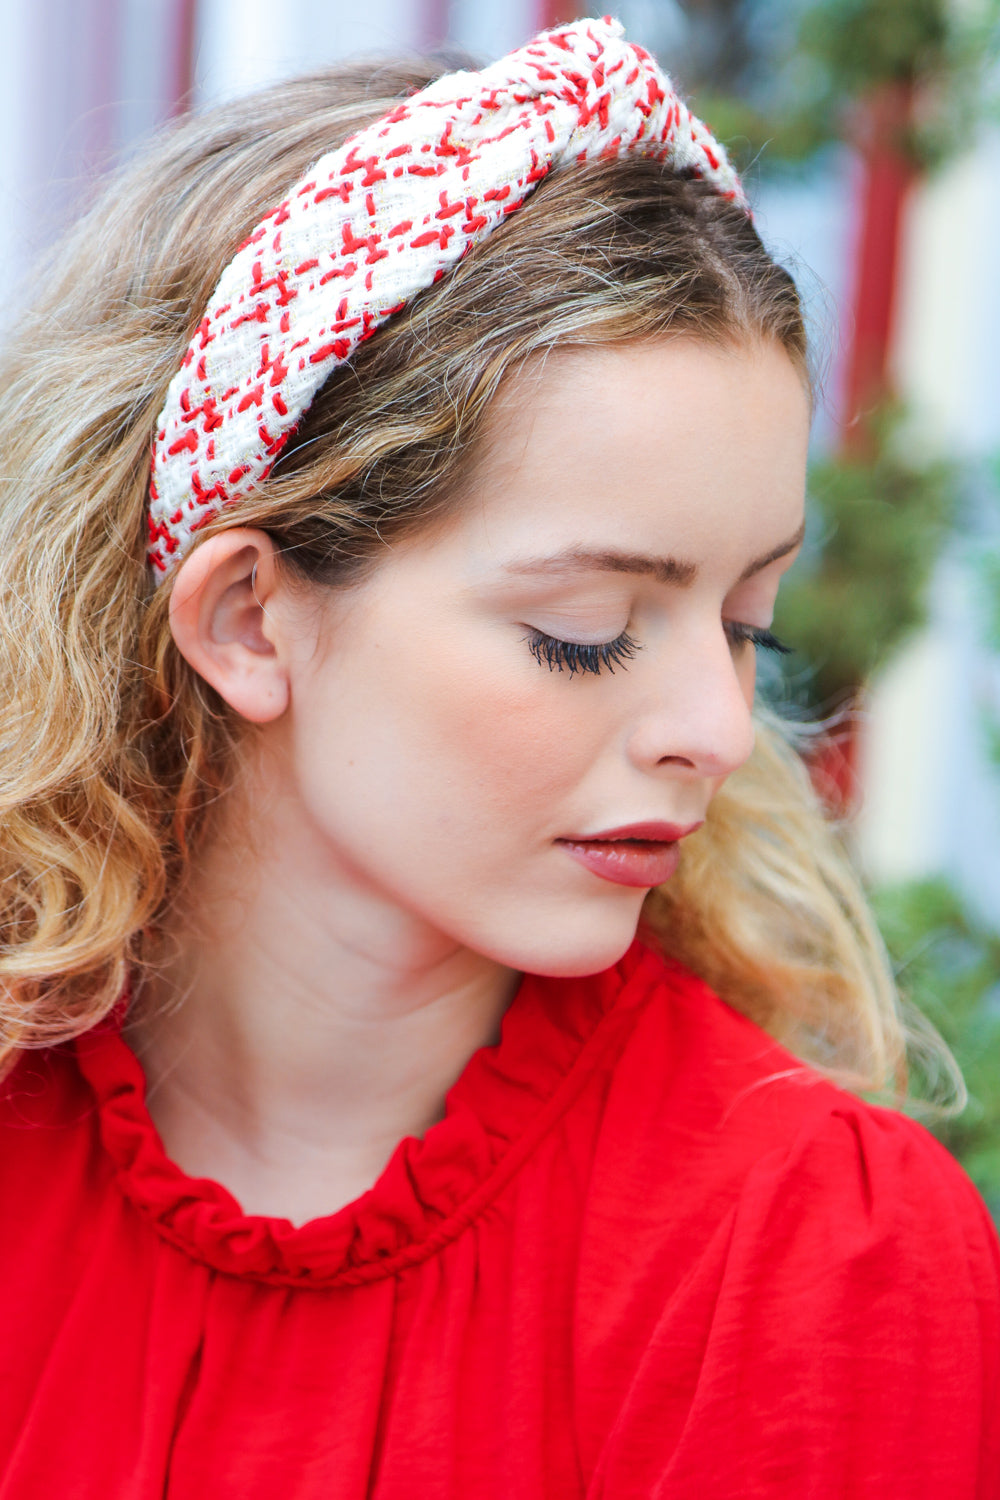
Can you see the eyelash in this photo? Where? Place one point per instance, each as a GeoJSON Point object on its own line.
{"type": "Point", "coordinates": [764, 640]}
{"type": "Point", "coordinates": [576, 656]}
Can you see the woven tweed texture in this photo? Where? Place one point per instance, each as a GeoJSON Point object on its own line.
{"type": "Point", "coordinates": [375, 222]}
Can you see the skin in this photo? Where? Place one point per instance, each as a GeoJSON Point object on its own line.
{"type": "Point", "coordinates": [388, 862]}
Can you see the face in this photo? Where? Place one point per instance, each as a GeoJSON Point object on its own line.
{"type": "Point", "coordinates": [570, 655]}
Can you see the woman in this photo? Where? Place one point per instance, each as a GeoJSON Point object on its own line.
{"type": "Point", "coordinates": [354, 1143]}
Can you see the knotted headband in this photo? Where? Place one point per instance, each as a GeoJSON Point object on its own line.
{"type": "Point", "coordinates": [371, 225]}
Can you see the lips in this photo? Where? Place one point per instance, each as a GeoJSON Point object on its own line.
{"type": "Point", "coordinates": [639, 854]}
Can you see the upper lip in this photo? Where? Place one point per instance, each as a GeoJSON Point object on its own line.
{"type": "Point", "coordinates": [654, 833]}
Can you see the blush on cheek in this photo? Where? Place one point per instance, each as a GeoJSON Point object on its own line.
{"type": "Point", "coordinates": [523, 745]}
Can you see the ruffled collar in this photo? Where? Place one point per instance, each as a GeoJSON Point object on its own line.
{"type": "Point", "coordinates": [553, 1035]}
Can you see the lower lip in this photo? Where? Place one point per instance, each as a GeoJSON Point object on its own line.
{"type": "Point", "coordinates": [626, 861]}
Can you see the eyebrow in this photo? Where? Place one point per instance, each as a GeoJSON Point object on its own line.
{"type": "Point", "coordinates": [663, 569]}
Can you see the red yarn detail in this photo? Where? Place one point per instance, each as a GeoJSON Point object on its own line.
{"type": "Point", "coordinates": [252, 398]}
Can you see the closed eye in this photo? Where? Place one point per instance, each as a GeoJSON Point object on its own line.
{"type": "Point", "coordinates": [763, 640]}
{"type": "Point", "coordinates": [578, 656]}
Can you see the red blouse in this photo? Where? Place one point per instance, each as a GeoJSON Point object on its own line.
{"type": "Point", "coordinates": [646, 1253]}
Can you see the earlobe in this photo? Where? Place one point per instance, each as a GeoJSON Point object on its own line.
{"type": "Point", "coordinates": [220, 622]}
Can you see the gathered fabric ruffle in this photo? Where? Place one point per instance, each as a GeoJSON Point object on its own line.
{"type": "Point", "coordinates": [508, 1096]}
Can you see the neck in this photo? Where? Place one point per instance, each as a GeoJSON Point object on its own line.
{"type": "Point", "coordinates": [302, 1025]}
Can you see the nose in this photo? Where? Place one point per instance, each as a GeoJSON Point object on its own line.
{"type": "Point", "coordinates": [695, 715]}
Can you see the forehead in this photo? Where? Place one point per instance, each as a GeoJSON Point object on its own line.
{"type": "Point", "coordinates": [665, 443]}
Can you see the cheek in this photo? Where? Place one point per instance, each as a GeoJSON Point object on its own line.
{"type": "Point", "coordinates": [508, 735]}
{"type": "Point", "coordinates": [443, 735]}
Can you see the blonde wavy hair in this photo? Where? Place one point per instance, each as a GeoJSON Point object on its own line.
{"type": "Point", "coordinates": [113, 750]}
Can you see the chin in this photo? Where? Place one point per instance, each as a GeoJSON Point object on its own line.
{"type": "Point", "coordinates": [580, 944]}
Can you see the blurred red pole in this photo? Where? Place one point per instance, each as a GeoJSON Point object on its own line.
{"type": "Point", "coordinates": [435, 22]}
{"type": "Point", "coordinates": [887, 176]}
{"type": "Point", "coordinates": [834, 764]}
{"type": "Point", "coordinates": [557, 12]}
{"type": "Point", "coordinates": [181, 82]}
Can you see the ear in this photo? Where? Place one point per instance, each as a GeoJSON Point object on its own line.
{"type": "Point", "coordinates": [220, 623]}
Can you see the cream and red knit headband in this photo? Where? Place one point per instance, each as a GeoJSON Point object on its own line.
{"type": "Point", "coordinates": [371, 225]}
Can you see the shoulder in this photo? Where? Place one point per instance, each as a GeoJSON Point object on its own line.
{"type": "Point", "coordinates": [801, 1290]}
{"type": "Point", "coordinates": [707, 1116]}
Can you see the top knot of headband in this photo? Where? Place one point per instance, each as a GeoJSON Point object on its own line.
{"type": "Point", "coordinates": [371, 225]}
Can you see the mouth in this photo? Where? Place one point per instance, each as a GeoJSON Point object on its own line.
{"type": "Point", "coordinates": [641, 855]}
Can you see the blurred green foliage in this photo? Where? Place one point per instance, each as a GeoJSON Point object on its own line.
{"type": "Point", "coordinates": [879, 524]}
{"type": "Point", "coordinates": [948, 966]}
{"type": "Point", "coordinates": [862, 43]}
{"type": "Point", "coordinates": [991, 579]}
{"type": "Point", "coordinates": [835, 53]}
